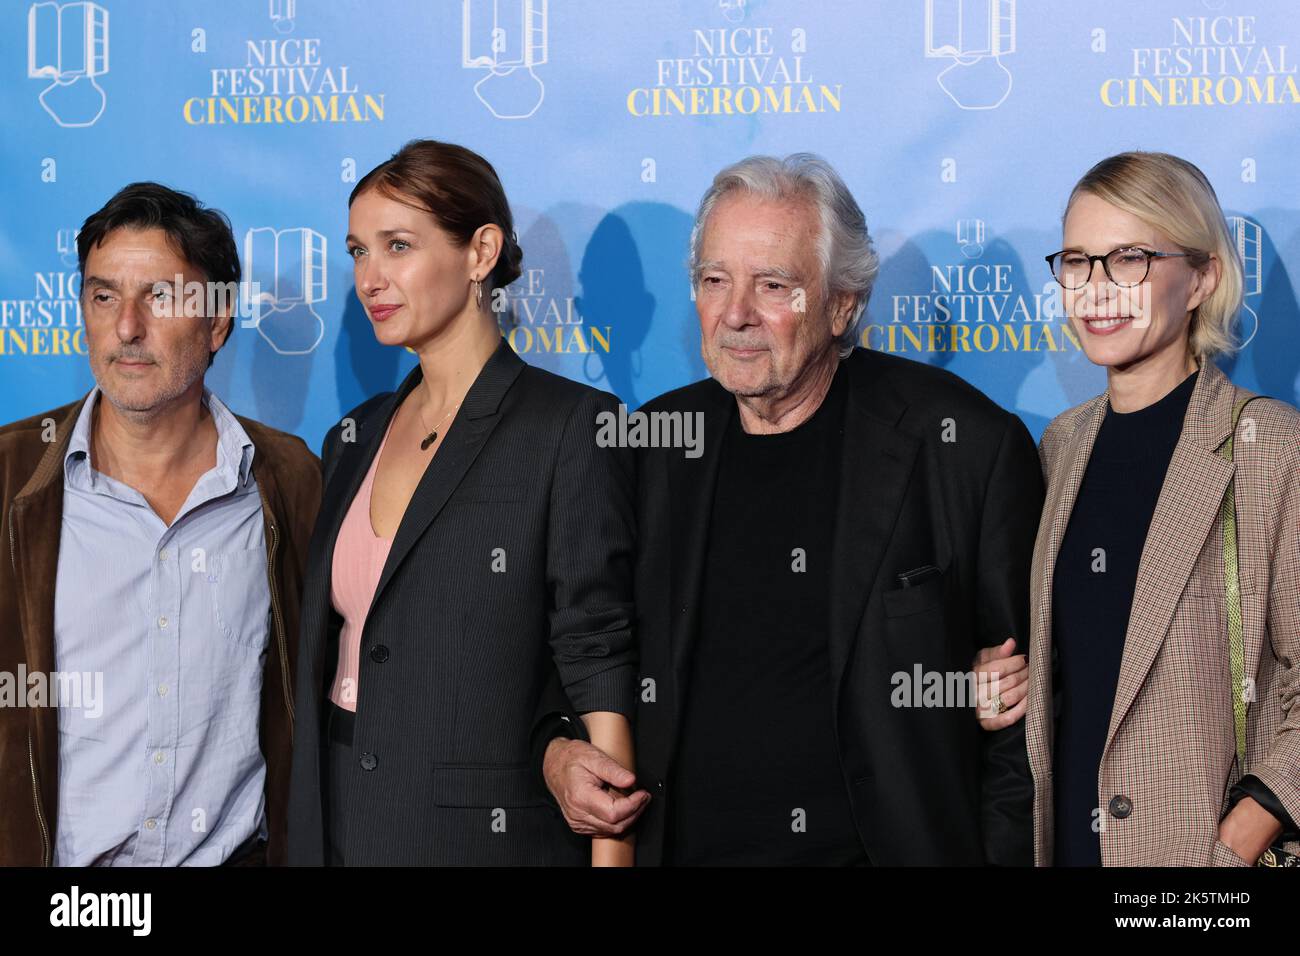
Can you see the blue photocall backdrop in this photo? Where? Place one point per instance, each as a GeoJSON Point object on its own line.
{"type": "Point", "coordinates": [960, 125]}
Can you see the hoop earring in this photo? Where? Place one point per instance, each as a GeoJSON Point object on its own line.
{"type": "Point", "coordinates": [478, 292]}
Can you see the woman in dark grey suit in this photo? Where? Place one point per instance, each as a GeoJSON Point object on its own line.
{"type": "Point", "coordinates": [473, 542]}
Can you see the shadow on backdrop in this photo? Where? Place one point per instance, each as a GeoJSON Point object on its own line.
{"type": "Point", "coordinates": [634, 281]}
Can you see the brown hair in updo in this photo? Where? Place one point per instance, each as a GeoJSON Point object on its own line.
{"type": "Point", "coordinates": [458, 187]}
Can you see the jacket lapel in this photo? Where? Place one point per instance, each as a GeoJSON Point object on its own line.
{"type": "Point", "coordinates": [875, 455]}
{"type": "Point", "coordinates": [693, 483]}
{"type": "Point", "coordinates": [469, 432]}
{"type": "Point", "coordinates": [1189, 502]}
{"type": "Point", "coordinates": [1062, 491]}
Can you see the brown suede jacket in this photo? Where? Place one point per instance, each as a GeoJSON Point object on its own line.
{"type": "Point", "coordinates": [31, 518]}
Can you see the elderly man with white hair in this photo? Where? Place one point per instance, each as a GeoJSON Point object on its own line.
{"type": "Point", "coordinates": [812, 588]}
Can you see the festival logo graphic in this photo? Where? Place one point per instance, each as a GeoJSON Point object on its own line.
{"type": "Point", "coordinates": [49, 321]}
{"type": "Point", "coordinates": [975, 35]}
{"type": "Point", "coordinates": [506, 39]}
{"type": "Point", "coordinates": [66, 242]}
{"type": "Point", "coordinates": [282, 14]}
{"type": "Point", "coordinates": [68, 44]}
{"type": "Point", "coordinates": [981, 301]}
{"type": "Point", "coordinates": [733, 10]}
{"type": "Point", "coordinates": [281, 80]}
{"type": "Point", "coordinates": [740, 69]}
{"type": "Point", "coordinates": [970, 236]}
{"type": "Point", "coordinates": [1198, 60]}
{"type": "Point", "coordinates": [286, 270]}
{"type": "Point", "coordinates": [1248, 235]}
{"type": "Point", "coordinates": [536, 319]}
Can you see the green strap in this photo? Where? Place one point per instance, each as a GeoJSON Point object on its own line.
{"type": "Point", "coordinates": [1232, 597]}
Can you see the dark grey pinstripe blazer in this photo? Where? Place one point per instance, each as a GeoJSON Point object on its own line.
{"type": "Point", "coordinates": [445, 709]}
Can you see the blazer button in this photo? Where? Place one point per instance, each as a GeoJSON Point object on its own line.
{"type": "Point", "coordinates": [1120, 807]}
{"type": "Point", "coordinates": [379, 653]}
{"type": "Point", "coordinates": [369, 761]}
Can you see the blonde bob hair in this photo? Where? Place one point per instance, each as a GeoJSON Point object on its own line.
{"type": "Point", "coordinates": [1173, 196]}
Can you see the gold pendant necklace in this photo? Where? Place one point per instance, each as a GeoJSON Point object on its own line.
{"type": "Point", "coordinates": [433, 432]}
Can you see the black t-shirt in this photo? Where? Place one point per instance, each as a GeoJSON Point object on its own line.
{"type": "Point", "coordinates": [757, 777]}
{"type": "Point", "coordinates": [1090, 606]}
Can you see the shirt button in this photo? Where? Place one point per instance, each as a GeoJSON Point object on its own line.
{"type": "Point", "coordinates": [379, 653]}
{"type": "Point", "coordinates": [162, 690]}
{"type": "Point", "coordinates": [369, 761]}
{"type": "Point", "coordinates": [159, 757]}
{"type": "Point", "coordinates": [163, 555]}
{"type": "Point", "coordinates": [162, 622]}
{"type": "Point", "coordinates": [150, 823]}
{"type": "Point", "coordinates": [1120, 806]}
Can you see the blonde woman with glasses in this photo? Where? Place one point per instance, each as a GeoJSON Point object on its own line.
{"type": "Point", "coordinates": [1162, 692]}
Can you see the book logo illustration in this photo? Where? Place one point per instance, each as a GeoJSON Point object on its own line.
{"type": "Point", "coordinates": [970, 236]}
{"type": "Point", "coordinates": [286, 270]}
{"type": "Point", "coordinates": [1248, 235]}
{"type": "Point", "coordinates": [68, 43]}
{"type": "Point", "coordinates": [506, 38]}
{"type": "Point", "coordinates": [733, 10]}
{"type": "Point", "coordinates": [282, 14]}
{"type": "Point", "coordinates": [975, 35]}
{"type": "Point", "coordinates": [65, 240]}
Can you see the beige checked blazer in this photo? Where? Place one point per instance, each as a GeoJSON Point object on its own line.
{"type": "Point", "coordinates": [1170, 752]}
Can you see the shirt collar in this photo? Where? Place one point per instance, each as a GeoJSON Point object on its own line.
{"type": "Point", "coordinates": [233, 443]}
{"type": "Point", "coordinates": [76, 460]}
{"type": "Point", "coordinates": [231, 437]}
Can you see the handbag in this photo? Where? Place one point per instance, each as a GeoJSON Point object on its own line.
{"type": "Point", "coordinates": [1274, 856]}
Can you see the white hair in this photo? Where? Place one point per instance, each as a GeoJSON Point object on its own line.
{"type": "Point", "coordinates": [849, 263]}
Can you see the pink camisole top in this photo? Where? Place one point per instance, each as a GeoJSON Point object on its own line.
{"type": "Point", "coordinates": [359, 556]}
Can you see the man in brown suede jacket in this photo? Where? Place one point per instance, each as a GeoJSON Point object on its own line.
{"type": "Point", "coordinates": [150, 596]}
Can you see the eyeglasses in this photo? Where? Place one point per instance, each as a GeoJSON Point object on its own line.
{"type": "Point", "coordinates": [1126, 267]}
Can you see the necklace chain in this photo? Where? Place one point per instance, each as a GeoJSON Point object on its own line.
{"type": "Point", "coordinates": [433, 432]}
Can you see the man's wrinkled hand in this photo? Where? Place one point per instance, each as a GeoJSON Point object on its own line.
{"type": "Point", "coordinates": [591, 788]}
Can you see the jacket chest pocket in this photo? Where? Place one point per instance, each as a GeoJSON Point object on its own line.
{"type": "Point", "coordinates": [1211, 583]}
{"type": "Point", "coordinates": [925, 594]}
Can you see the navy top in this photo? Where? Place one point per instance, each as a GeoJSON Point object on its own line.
{"type": "Point", "coordinates": [1092, 593]}
{"type": "Point", "coordinates": [758, 778]}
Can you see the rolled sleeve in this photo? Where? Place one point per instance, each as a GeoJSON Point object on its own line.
{"type": "Point", "coordinates": [1251, 786]}
{"type": "Point", "coordinates": [589, 565]}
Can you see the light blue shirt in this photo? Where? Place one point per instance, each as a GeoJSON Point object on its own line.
{"type": "Point", "coordinates": [165, 769]}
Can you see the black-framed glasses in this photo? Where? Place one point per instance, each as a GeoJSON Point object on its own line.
{"type": "Point", "coordinates": [1126, 266]}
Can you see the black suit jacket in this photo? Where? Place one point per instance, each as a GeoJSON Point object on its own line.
{"type": "Point", "coordinates": [927, 785]}
{"type": "Point", "coordinates": [456, 652]}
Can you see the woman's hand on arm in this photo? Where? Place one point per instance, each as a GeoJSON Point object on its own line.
{"type": "Point", "coordinates": [999, 672]}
